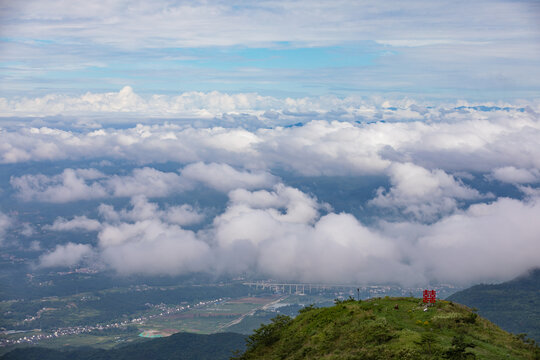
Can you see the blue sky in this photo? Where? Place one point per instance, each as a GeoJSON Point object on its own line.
{"type": "Point", "coordinates": [485, 50]}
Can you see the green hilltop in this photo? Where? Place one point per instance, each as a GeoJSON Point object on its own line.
{"type": "Point", "coordinates": [386, 328]}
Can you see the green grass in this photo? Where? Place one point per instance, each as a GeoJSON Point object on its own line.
{"type": "Point", "coordinates": [375, 329]}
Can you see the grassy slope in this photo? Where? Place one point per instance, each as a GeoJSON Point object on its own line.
{"type": "Point", "coordinates": [374, 329]}
{"type": "Point", "coordinates": [513, 305]}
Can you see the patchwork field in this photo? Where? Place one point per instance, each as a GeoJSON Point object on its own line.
{"type": "Point", "coordinates": [212, 318]}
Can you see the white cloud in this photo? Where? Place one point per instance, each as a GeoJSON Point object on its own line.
{"type": "Point", "coordinates": [75, 224]}
{"type": "Point", "coordinates": [284, 203]}
{"type": "Point", "coordinates": [142, 209]}
{"type": "Point", "coordinates": [148, 240]}
{"type": "Point", "coordinates": [152, 247]}
{"type": "Point", "coordinates": [530, 191]}
{"type": "Point", "coordinates": [147, 181]}
{"type": "Point", "coordinates": [66, 255]}
{"type": "Point", "coordinates": [510, 174]}
{"type": "Point", "coordinates": [230, 109]}
{"type": "Point", "coordinates": [281, 234]}
{"type": "Point", "coordinates": [183, 215]}
{"type": "Point", "coordinates": [474, 48]}
{"type": "Point", "coordinates": [178, 24]}
{"type": "Point", "coordinates": [279, 231]}
{"type": "Point", "coordinates": [70, 185]}
{"type": "Point", "coordinates": [224, 178]}
{"type": "Point", "coordinates": [422, 193]}
{"type": "Point", "coordinates": [276, 233]}
{"type": "Point", "coordinates": [189, 104]}
{"type": "Point", "coordinates": [453, 138]}
{"type": "Point", "coordinates": [488, 242]}
{"type": "Point", "coordinates": [86, 184]}
{"type": "Point", "coordinates": [143, 239]}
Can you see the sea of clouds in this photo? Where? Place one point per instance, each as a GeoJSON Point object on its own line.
{"type": "Point", "coordinates": [441, 226]}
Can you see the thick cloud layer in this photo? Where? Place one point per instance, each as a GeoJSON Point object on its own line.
{"type": "Point", "coordinates": [441, 209]}
{"type": "Point", "coordinates": [422, 193]}
{"type": "Point", "coordinates": [367, 139]}
{"type": "Point", "coordinates": [283, 234]}
{"type": "Point", "coordinates": [277, 233]}
{"type": "Point", "coordinates": [487, 242]}
{"type": "Point", "coordinates": [238, 108]}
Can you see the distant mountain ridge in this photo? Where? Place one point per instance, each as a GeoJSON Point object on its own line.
{"type": "Point", "coordinates": [180, 346]}
{"type": "Point", "coordinates": [513, 305]}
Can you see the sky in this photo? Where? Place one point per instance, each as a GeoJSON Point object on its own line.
{"type": "Point", "coordinates": [339, 142]}
{"type": "Point", "coordinates": [435, 49]}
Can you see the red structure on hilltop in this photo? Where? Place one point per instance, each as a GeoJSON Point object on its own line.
{"type": "Point", "coordinates": [430, 296]}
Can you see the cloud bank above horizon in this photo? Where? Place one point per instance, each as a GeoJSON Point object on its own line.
{"type": "Point", "coordinates": [435, 212]}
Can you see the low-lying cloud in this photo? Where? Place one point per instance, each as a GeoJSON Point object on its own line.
{"type": "Point", "coordinates": [66, 255]}
{"type": "Point", "coordinates": [86, 184]}
{"type": "Point", "coordinates": [70, 185]}
{"type": "Point", "coordinates": [424, 194]}
{"type": "Point", "coordinates": [224, 178]}
{"type": "Point", "coordinates": [512, 175]}
{"type": "Point", "coordinates": [78, 223]}
{"type": "Point", "coordinates": [286, 234]}
{"type": "Point", "coordinates": [453, 139]}
{"type": "Point", "coordinates": [487, 242]}
{"type": "Point", "coordinates": [436, 212]}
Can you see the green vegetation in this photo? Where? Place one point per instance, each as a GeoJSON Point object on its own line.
{"type": "Point", "coordinates": [513, 305]}
{"type": "Point", "coordinates": [181, 346]}
{"type": "Point", "coordinates": [385, 328]}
